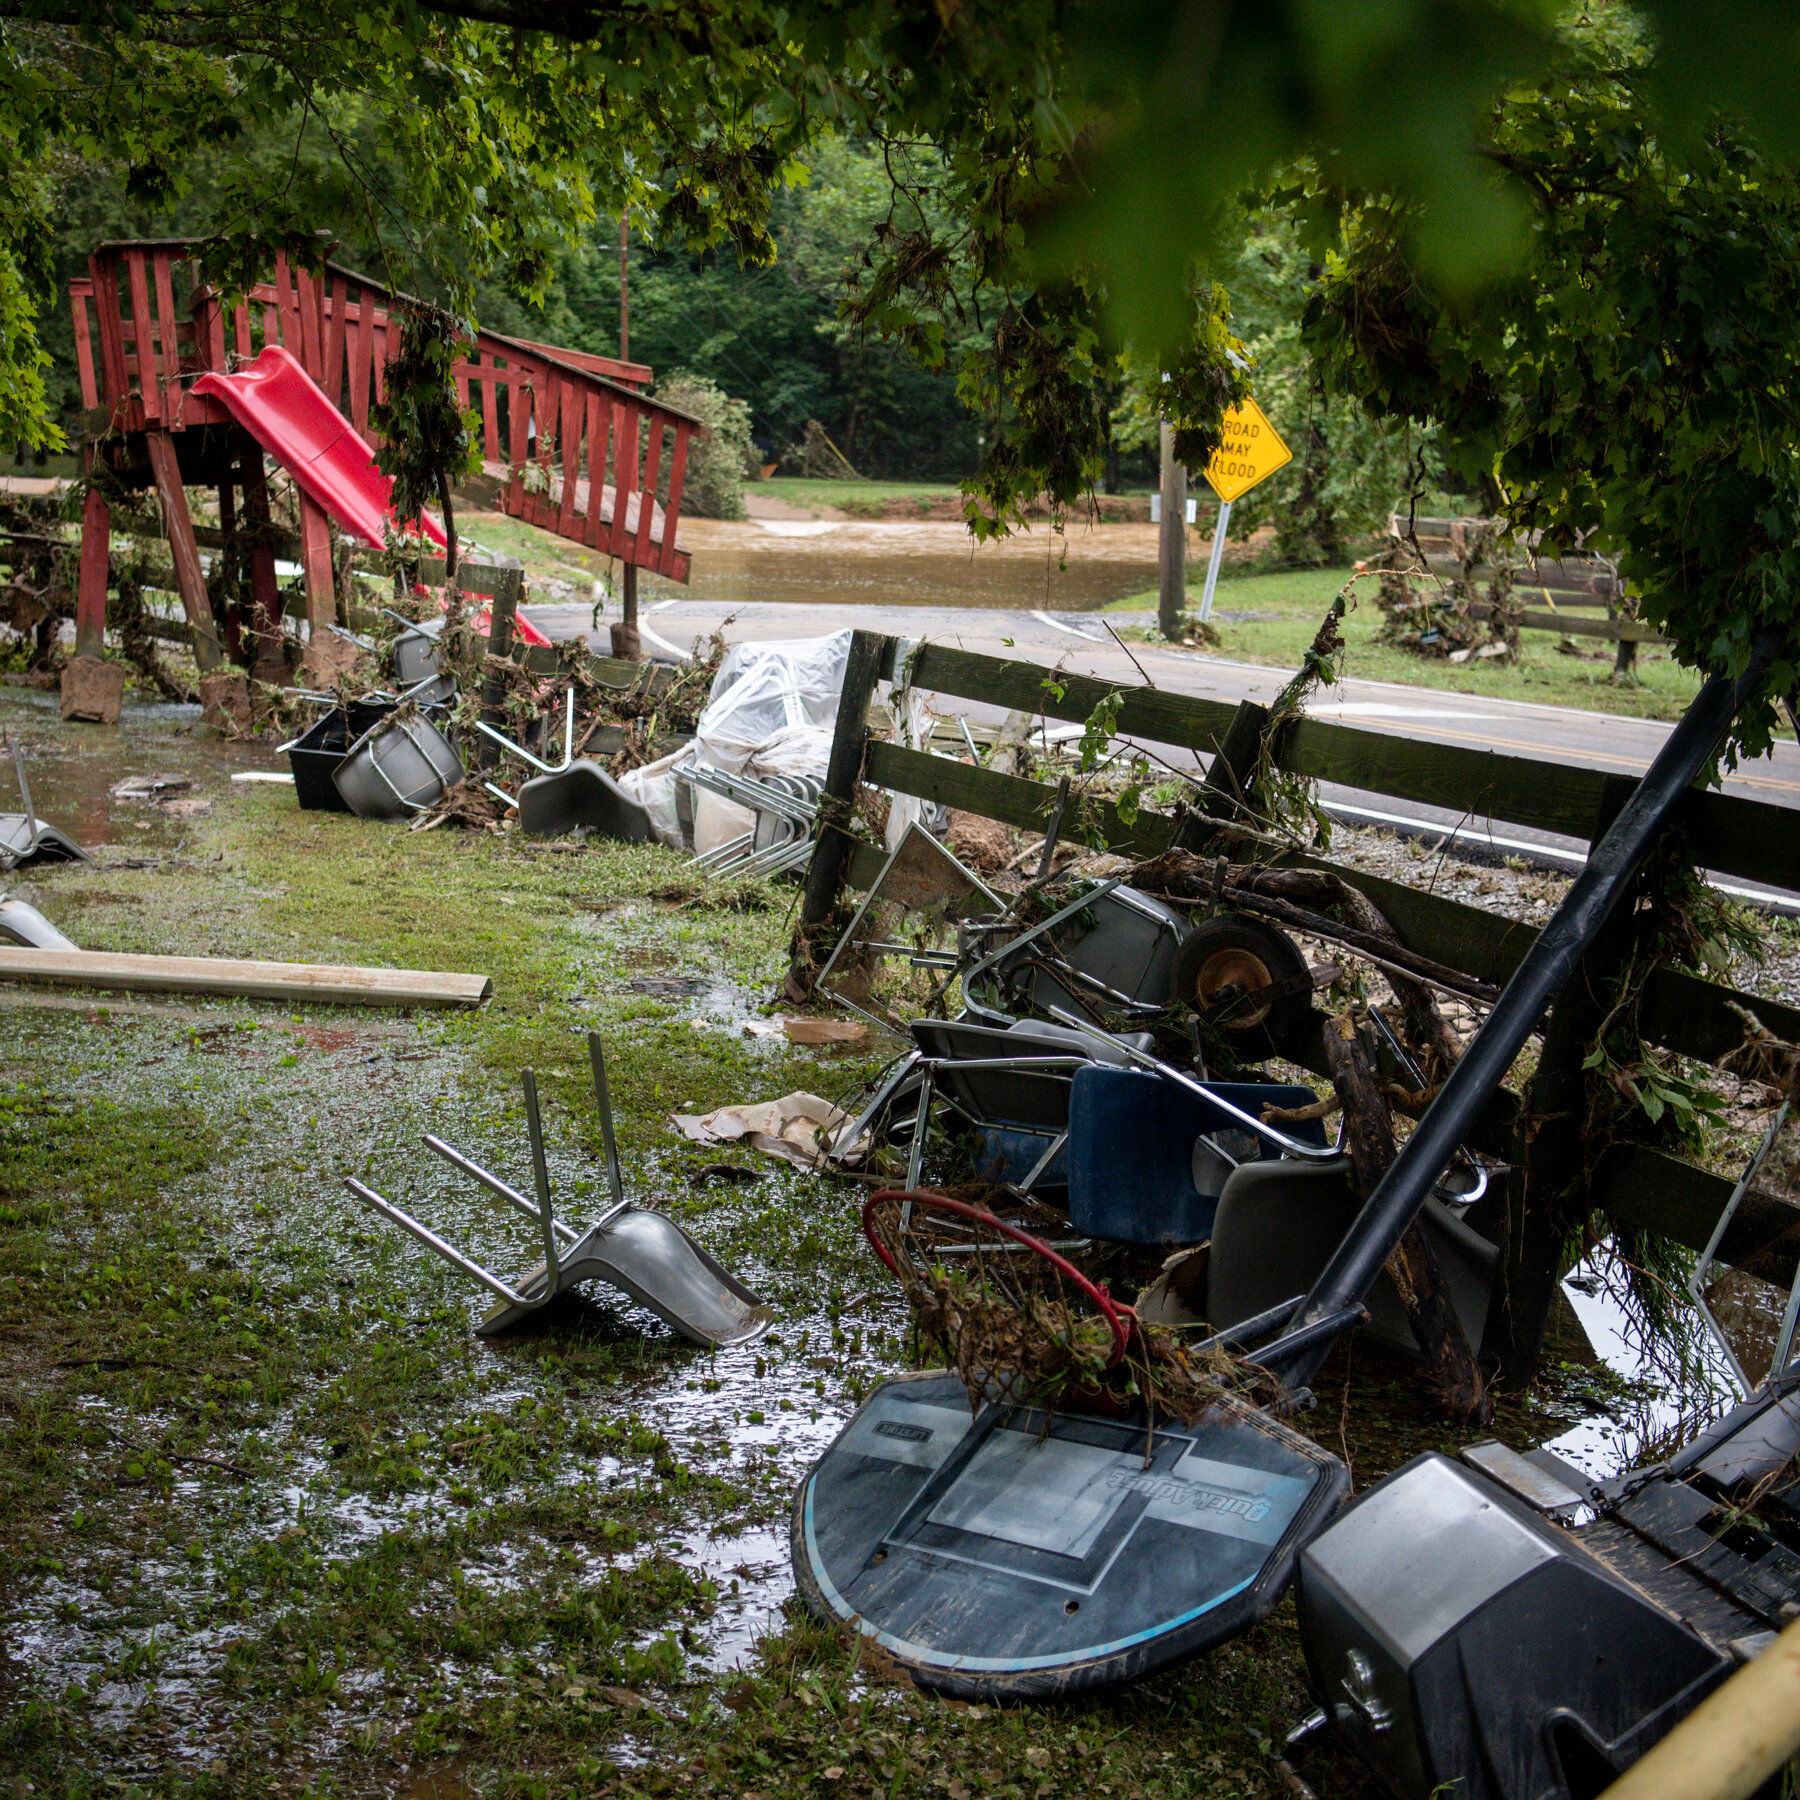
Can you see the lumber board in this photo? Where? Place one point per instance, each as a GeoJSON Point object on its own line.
{"type": "Point", "coordinates": [323, 983]}
{"type": "Point", "coordinates": [1548, 796]}
{"type": "Point", "coordinates": [1681, 1012]}
{"type": "Point", "coordinates": [1150, 713]}
{"type": "Point", "coordinates": [1640, 1186]}
{"type": "Point", "coordinates": [1009, 798]}
{"type": "Point", "coordinates": [609, 671]}
{"type": "Point", "coordinates": [1750, 839]}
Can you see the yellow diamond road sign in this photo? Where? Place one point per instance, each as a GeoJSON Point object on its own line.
{"type": "Point", "coordinates": [1250, 451]}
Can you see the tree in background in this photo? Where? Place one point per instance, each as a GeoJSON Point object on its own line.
{"type": "Point", "coordinates": [1059, 176]}
{"type": "Point", "coordinates": [1632, 380]}
{"type": "Point", "coordinates": [773, 333]}
{"type": "Point", "coordinates": [1350, 467]}
{"type": "Point", "coordinates": [713, 487]}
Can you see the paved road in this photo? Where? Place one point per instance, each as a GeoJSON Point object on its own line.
{"type": "Point", "coordinates": [1081, 643]}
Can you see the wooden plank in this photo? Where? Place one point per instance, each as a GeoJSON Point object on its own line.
{"type": "Point", "coordinates": [323, 983]}
{"type": "Point", "coordinates": [602, 459]}
{"type": "Point", "coordinates": [312, 350]}
{"type": "Point", "coordinates": [1149, 713]}
{"type": "Point", "coordinates": [490, 411]}
{"type": "Point", "coordinates": [625, 449]}
{"type": "Point", "coordinates": [1548, 796]}
{"type": "Point", "coordinates": [165, 331]}
{"type": "Point", "coordinates": [1010, 799]}
{"type": "Point", "coordinates": [1693, 1016]}
{"type": "Point", "coordinates": [611, 671]}
{"type": "Point", "coordinates": [672, 512]}
{"type": "Point", "coordinates": [1681, 1012]}
{"type": "Point", "coordinates": [1747, 838]}
{"type": "Point", "coordinates": [571, 398]}
{"type": "Point", "coordinates": [103, 272]}
{"type": "Point", "coordinates": [518, 411]}
{"type": "Point", "coordinates": [640, 550]}
{"type": "Point", "coordinates": [315, 559]}
{"type": "Point", "coordinates": [178, 522]}
{"type": "Point", "coordinates": [869, 653]}
{"type": "Point", "coordinates": [1630, 631]}
{"type": "Point", "coordinates": [361, 352]}
{"type": "Point", "coordinates": [79, 294]}
{"type": "Point", "coordinates": [148, 386]}
{"type": "Point", "coordinates": [1640, 1186]}
{"type": "Point", "coordinates": [337, 301]}
{"type": "Point", "coordinates": [90, 593]}
{"type": "Point", "coordinates": [1750, 839]}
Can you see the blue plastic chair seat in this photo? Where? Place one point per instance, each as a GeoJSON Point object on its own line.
{"type": "Point", "coordinates": [1132, 1166]}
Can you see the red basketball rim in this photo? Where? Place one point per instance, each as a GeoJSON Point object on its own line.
{"type": "Point", "coordinates": [1119, 1318]}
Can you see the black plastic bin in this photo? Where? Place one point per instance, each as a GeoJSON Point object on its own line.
{"type": "Point", "coordinates": [315, 755]}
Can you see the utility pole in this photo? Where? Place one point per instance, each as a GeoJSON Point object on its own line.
{"type": "Point", "coordinates": [1171, 549]}
{"type": "Point", "coordinates": [625, 640]}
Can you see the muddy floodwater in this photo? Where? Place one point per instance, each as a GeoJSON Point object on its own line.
{"type": "Point", "coordinates": [926, 564]}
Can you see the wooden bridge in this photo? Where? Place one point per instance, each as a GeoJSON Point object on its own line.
{"type": "Point", "coordinates": [570, 442]}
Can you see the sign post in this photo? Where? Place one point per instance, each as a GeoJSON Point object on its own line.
{"type": "Point", "coordinates": [1249, 451]}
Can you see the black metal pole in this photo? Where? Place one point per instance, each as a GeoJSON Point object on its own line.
{"type": "Point", "coordinates": [1615, 861]}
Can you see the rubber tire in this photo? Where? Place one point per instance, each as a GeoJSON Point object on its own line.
{"type": "Point", "coordinates": [1273, 953]}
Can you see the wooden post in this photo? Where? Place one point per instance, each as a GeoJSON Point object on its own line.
{"type": "Point", "coordinates": [178, 522]}
{"type": "Point", "coordinates": [265, 591]}
{"type": "Point", "coordinates": [234, 615]}
{"type": "Point", "coordinates": [1231, 775]}
{"type": "Point", "coordinates": [1171, 546]}
{"type": "Point", "coordinates": [315, 556]}
{"type": "Point", "coordinates": [871, 656]}
{"type": "Point", "coordinates": [1548, 1190]}
{"type": "Point", "coordinates": [90, 594]}
{"type": "Point", "coordinates": [504, 608]}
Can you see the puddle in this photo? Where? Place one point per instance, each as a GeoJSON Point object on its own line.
{"type": "Point", "coordinates": [1663, 1414]}
{"type": "Point", "coordinates": [73, 772]}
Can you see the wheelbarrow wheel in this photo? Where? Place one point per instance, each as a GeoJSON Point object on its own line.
{"type": "Point", "coordinates": [1246, 979]}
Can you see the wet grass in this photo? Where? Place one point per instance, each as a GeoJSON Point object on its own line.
{"type": "Point", "coordinates": [274, 1519]}
{"type": "Point", "coordinates": [1294, 601]}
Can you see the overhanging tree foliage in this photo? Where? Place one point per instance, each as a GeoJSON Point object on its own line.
{"type": "Point", "coordinates": [1060, 175]}
{"type": "Point", "coordinates": [1633, 378]}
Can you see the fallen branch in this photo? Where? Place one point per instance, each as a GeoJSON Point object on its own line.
{"type": "Point", "coordinates": [175, 1456]}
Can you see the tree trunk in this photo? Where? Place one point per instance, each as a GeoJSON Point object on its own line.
{"type": "Point", "coordinates": [1452, 1376]}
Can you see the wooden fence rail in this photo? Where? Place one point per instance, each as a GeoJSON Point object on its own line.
{"type": "Point", "coordinates": [1681, 1012]}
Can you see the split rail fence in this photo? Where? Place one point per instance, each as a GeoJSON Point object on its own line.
{"type": "Point", "coordinates": [1682, 1012]}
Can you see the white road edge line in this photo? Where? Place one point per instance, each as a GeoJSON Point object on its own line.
{"type": "Point", "coordinates": [661, 606]}
{"type": "Point", "coordinates": [1057, 625]}
{"type": "Point", "coordinates": [1775, 898]}
{"type": "Point", "coordinates": [662, 643]}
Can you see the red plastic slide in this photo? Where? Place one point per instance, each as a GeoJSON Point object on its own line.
{"type": "Point", "coordinates": [286, 411]}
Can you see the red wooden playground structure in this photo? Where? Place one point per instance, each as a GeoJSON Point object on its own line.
{"type": "Point", "coordinates": [569, 440]}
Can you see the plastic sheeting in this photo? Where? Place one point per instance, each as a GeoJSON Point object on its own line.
{"type": "Point", "coordinates": [772, 712]}
{"type": "Point", "coordinates": [762, 690]}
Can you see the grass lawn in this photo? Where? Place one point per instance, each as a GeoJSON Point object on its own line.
{"type": "Point", "coordinates": [1294, 602]}
{"type": "Point", "coordinates": [273, 1520]}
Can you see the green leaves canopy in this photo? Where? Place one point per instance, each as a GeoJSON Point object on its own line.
{"type": "Point", "coordinates": [1633, 380]}
{"type": "Point", "coordinates": [1582, 271]}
